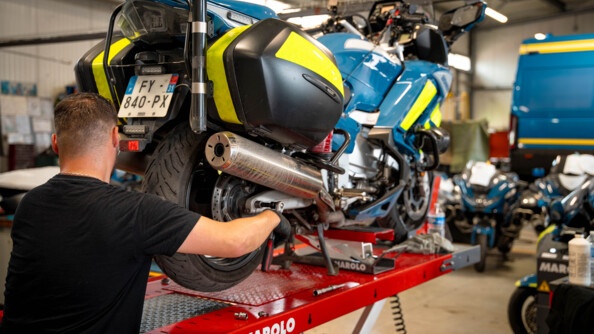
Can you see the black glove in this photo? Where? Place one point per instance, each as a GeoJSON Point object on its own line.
{"type": "Point", "coordinates": [282, 231]}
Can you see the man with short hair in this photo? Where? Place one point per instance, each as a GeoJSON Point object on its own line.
{"type": "Point", "coordinates": [82, 248]}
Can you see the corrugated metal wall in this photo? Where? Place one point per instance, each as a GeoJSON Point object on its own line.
{"type": "Point", "coordinates": [50, 66]}
{"type": "Point", "coordinates": [495, 53]}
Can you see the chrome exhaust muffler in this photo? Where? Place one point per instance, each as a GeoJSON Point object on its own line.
{"type": "Point", "coordinates": [240, 157]}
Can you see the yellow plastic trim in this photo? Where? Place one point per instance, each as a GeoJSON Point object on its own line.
{"type": "Point", "coordinates": [99, 72]}
{"type": "Point", "coordinates": [548, 230]}
{"type": "Point", "coordinates": [435, 118]}
{"type": "Point", "coordinates": [556, 141]}
{"type": "Point", "coordinates": [215, 68]}
{"type": "Point", "coordinates": [555, 47]}
{"type": "Point", "coordinates": [300, 51]}
{"type": "Point", "coordinates": [420, 105]}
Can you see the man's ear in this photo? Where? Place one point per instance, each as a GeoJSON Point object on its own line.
{"type": "Point", "coordinates": [55, 143]}
{"type": "Point", "coordinates": [115, 137]}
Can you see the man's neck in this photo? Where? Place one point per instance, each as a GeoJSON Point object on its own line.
{"type": "Point", "coordinates": [85, 166]}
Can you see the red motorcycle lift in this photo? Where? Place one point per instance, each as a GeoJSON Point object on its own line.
{"type": "Point", "coordinates": [292, 300]}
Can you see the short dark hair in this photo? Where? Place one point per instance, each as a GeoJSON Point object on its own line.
{"type": "Point", "coordinates": [82, 121]}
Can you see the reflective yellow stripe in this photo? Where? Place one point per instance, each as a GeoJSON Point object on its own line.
{"type": "Point", "coordinates": [420, 105]}
{"type": "Point", "coordinates": [554, 47]}
{"type": "Point", "coordinates": [98, 70]}
{"type": "Point", "coordinates": [215, 67]}
{"type": "Point", "coordinates": [548, 230]}
{"type": "Point", "coordinates": [435, 118]}
{"type": "Point", "coordinates": [556, 141]}
{"type": "Point", "coordinates": [300, 51]}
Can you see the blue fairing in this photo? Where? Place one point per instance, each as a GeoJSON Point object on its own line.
{"type": "Point", "coordinates": [379, 81]}
{"type": "Point", "coordinates": [404, 94]}
{"type": "Point", "coordinates": [495, 196]}
{"type": "Point", "coordinates": [366, 69]}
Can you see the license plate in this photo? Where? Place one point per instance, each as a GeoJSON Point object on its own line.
{"type": "Point", "coordinates": [148, 95]}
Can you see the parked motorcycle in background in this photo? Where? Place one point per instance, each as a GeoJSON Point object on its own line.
{"type": "Point", "coordinates": [567, 173]}
{"type": "Point", "coordinates": [566, 216]}
{"type": "Point", "coordinates": [331, 132]}
{"type": "Point", "coordinates": [487, 195]}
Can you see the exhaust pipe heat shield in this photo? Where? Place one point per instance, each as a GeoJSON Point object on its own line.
{"type": "Point", "coordinates": [240, 157]}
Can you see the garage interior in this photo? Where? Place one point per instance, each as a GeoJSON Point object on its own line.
{"type": "Point", "coordinates": [41, 42]}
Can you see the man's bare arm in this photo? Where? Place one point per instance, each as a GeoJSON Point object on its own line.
{"type": "Point", "coordinates": [230, 239]}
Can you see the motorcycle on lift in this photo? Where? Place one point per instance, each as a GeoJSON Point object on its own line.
{"type": "Point", "coordinates": [566, 216]}
{"type": "Point", "coordinates": [567, 173]}
{"type": "Point", "coordinates": [487, 194]}
{"type": "Point", "coordinates": [235, 111]}
{"type": "Point", "coordinates": [399, 102]}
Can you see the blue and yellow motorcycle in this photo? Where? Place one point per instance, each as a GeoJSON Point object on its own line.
{"type": "Point", "coordinates": [230, 111]}
{"type": "Point", "coordinates": [487, 195]}
{"type": "Point", "coordinates": [566, 216]}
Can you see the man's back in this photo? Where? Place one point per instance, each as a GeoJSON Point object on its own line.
{"type": "Point", "coordinates": [81, 255]}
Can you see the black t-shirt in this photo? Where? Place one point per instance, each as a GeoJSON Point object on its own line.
{"type": "Point", "coordinates": [81, 255]}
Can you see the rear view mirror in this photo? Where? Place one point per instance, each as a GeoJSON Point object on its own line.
{"type": "Point", "coordinates": [455, 22]}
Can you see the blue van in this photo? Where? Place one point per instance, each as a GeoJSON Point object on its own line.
{"type": "Point", "coordinates": [552, 109]}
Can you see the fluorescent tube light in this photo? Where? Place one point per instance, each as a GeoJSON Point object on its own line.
{"type": "Point", "coordinates": [497, 16]}
{"type": "Point", "coordinates": [459, 62]}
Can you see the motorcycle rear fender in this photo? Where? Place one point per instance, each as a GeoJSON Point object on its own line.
{"type": "Point", "coordinates": [528, 281]}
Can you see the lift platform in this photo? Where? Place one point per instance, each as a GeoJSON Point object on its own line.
{"type": "Point", "coordinates": [292, 300]}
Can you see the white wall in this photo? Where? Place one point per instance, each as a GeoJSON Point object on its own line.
{"type": "Point", "coordinates": [51, 66]}
{"type": "Point", "coordinates": [495, 56]}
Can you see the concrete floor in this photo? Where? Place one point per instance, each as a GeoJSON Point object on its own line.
{"type": "Point", "coordinates": [460, 302]}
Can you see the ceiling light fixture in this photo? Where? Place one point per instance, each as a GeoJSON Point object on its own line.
{"type": "Point", "coordinates": [459, 62]}
{"type": "Point", "coordinates": [497, 16]}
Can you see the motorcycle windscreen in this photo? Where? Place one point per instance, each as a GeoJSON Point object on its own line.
{"type": "Point", "coordinates": [275, 81]}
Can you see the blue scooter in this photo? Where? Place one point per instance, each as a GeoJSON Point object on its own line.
{"type": "Point", "coordinates": [487, 194]}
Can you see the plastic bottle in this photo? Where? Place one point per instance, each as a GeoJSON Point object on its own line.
{"type": "Point", "coordinates": [579, 261]}
{"type": "Point", "coordinates": [436, 220]}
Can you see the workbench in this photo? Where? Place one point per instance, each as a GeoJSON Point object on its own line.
{"type": "Point", "coordinates": [293, 300]}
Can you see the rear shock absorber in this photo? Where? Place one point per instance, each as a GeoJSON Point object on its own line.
{"type": "Point", "coordinates": [397, 314]}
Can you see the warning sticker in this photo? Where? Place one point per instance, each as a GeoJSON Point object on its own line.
{"type": "Point", "coordinates": [544, 287]}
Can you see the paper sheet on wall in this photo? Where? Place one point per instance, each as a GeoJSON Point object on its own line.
{"type": "Point", "coordinates": [46, 107]}
{"type": "Point", "coordinates": [42, 125]}
{"type": "Point", "coordinates": [23, 124]}
{"type": "Point", "coordinates": [13, 105]}
{"type": "Point", "coordinates": [8, 123]}
{"type": "Point", "coordinates": [33, 106]}
{"type": "Point", "coordinates": [43, 141]}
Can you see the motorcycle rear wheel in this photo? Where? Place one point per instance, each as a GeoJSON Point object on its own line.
{"type": "Point", "coordinates": [521, 311]}
{"type": "Point", "coordinates": [411, 208]}
{"type": "Point", "coordinates": [179, 173]}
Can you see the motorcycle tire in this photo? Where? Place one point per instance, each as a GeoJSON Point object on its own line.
{"type": "Point", "coordinates": [178, 172]}
{"type": "Point", "coordinates": [483, 242]}
{"type": "Point", "coordinates": [405, 221]}
{"type": "Point", "coordinates": [521, 311]}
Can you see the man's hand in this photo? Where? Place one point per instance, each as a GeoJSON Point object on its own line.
{"type": "Point", "coordinates": [282, 231]}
